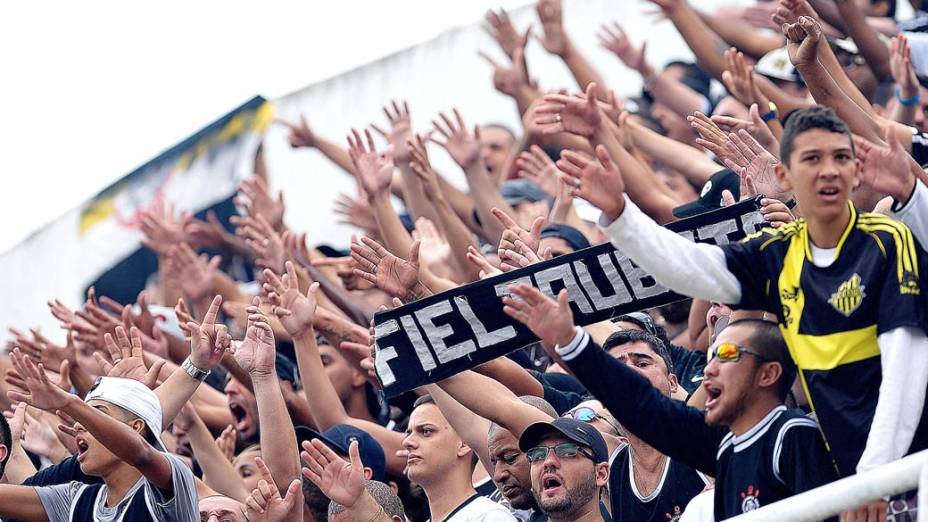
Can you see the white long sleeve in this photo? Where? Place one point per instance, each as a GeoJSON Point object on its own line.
{"type": "Point", "coordinates": [693, 269]}
{"type": "Point", "coordinates": [915, 213]}
{"type": "Point", "coordinates": [904, 358]}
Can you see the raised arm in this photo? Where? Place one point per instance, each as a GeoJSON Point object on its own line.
{"type": "Point", "coordinates": [256, 355]}
{"type": "Point", "coordinates": [621, 389]}
{"type": "Point", "coordinates": [472, 428]}
{"type": "Point", "coordinates": [492, 401]}
{"type": "Point", "coordinates": [301, 135]}
{"type": "Point", "coordinates": [21, 503]}
{"type": "Point", "coordinates": [123, 440]}
{"type": "Point", "coordinates": [297, 312]}
{"type": "Point", "coordinates": [556, 41]}
{"type": "Point", "coordinates": [868, 40]}
{"type": "Point", "coordinates": [218, 472]}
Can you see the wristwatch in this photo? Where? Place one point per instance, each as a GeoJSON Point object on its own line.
{"type": "Point", "coordinates": [193, 371]}
{"type": "Point", "coordinates": [771, 114]}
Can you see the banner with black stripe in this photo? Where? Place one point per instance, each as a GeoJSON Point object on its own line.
{"type": "Point", "coordinates": [444, 334]}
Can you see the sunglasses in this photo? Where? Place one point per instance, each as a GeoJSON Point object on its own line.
{"type": "Point", "coordinates": [729, 352]}
{"type": "Point", "coordinates": [588, 415]}
{"type": "Point", "coordinates": [564, 450]}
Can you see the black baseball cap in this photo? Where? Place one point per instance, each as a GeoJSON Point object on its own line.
{"type": "Point", "coordinates": [710, 198]}
{"type": "Point", "coordinates": [580, 432]}
{"type": "Point", "coordinates": [571, 235]}
{"type": "Point", "coordinates": [339, 438]}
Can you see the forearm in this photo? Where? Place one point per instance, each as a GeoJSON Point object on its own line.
{"type": "Point", "coordinates": [678, 97]}
{"type": "Point", "coordinates": [336, 154]}
{"type": "Point", "coordinates": [626, 394]}
{"type": "Point", "coordinates": [904, 114]}
{"type": "Point", "coordinates": [336, 294]}
{"type": "Point", "coordinates": [492, 401]}
{"type": "Point", "coordinates": [486, 196]}
{"type": "Point", "coordinates": [414, 194]}
{"type": "Point", "coordinates": [472, 428]}
{"type": "Point", "coordinates": [700, 39]}
{"type": "Point", "coordinates": [459, 238]}
{"type": "Point", "coordinates": [826, 92]}
{"type": "Point", "coordinates": [395, 237]}
{"type": "Point", "coordinates": [868, 41]}
{"type": "Point", "coordinates": [336, 329]}
{"type": "Point", "coordinates": [829, 13]}
{"type": "Point", "coordinates": [742, 36]}
{"type": "Point", "coordinates": [122, 441]}
{"type": "Point", "coordinates": [326, 408]}
{"type": "Point", "coordinates": [508, 373]}
{"type": "Point", "coordinates": [80, 379]}
{"type": "Point", "coordinates": [904, 358]}
{"type": "Point", "coordinates": [218, 472]}
{"type": "Point", "coordinates": [21, 503]}
{"type": "Point", "coordinates": [582, 70]}
{"type": "Point", "coordinates": [914, 212]}
{"type": "Point", "coordinates": [18, 467]}
{"type": "Point", "coordinates": [642, 188]}
{"type": "Point", "coordinates": [278, 439]}
{"type": "Point", "coordinates": [366, 509]}
{"type": "Point", "coordinates": [829, 61]}
{"type": "Point", "coordinates": [649, 245]}
{"type": "Point", "coordinates": [174, 393]}
{"type": "Point", "coordinates": [681, 157]}
{"type": "Point", "coordinates": [460, 201]}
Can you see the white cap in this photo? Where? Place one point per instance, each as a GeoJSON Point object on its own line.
{"type": "Point", "coordinates": [776, 64]}
{"type": "Point", "coordinates": [132, 396]}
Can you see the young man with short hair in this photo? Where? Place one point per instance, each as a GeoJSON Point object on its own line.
{"type": "Point", "coordinates": [845, 285]}
{"type": "Point", "coordinates": [439, 461]}
{"type": "Point", "coordinates": [758, 451]}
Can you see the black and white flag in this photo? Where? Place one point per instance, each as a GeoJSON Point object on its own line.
{"type": "Point", "coordinates": [444, 334]}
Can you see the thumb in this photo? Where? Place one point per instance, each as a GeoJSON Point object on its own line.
{"type": "Point", "coordinates": [65, 375]}
{"type": "Point", "coordinates": [290, 497]}
{"type": "Point", "coordinates": [755, 115]}
{"type": "Point", "coordinates": [414, 252]}
{"type": "Point", "coordinates": [562, 301]}
{"type": "Point", "coordinates": [537, 225]}
{"type": "Point", "coordinates": [354, 454]}
{"type": "Point", "coordinates": [591, 94]}
{"type": "Point", "coordinates": [154, 371]}
{"type": "Point", "coordinates": [727, 198]}
{"type": "Point", "coordinates": [603, 155]}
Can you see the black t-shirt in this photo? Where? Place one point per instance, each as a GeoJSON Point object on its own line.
{"type": "Point", "coordinates": [678, 485]}
{"type": "Point", "coordinates": [688, 366]}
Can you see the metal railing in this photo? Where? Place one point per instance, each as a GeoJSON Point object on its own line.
{"type": "Point", "coordinates": [832, 499]}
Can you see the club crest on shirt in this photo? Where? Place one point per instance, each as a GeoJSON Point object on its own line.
{"type": "Point", "coordinates": [849, 296]}
{"type": "Point", "coordinates": [675, 516]}
{"type": "Point", "coordinates": [750, 499]}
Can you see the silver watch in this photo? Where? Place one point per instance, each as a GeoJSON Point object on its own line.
{"type": "Point", "coordinates": [193, 371]}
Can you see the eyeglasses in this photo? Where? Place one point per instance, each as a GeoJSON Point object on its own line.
{"type": "Point", "coordinates": [588, 415]}
{"type": "Point", "coordinates": [564, 450]}
{"type": "Point", "coordinates": [729, 352]}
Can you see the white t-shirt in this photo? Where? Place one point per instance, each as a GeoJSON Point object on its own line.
{"type": "Point", "coordinates": [480, 509]}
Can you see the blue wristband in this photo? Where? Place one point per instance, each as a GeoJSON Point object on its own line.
{"type": "Point", "coordinates": [909, 102]}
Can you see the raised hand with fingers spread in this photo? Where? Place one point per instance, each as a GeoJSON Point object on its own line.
{"type": "Point", "coordinates": [555, 39]}
{"type": "Point", "coordinates": [552, 321]}
{"type": "Point", "coordinates": [194, 274]}
{"type": "Point", "coordinates": [751, 161]}
{"type": "Point", "coordinates": [596, 180]}
{"type": "Point", "coordinates": [257, 352]}
{"type": "Point", "coordinates": [886, 169]}
{"type": "Point", "coordinates": [398, 277]}
{"type": "Point", "coordinates": [295, 310]}
{"type": "Point", "coordinates": [40, 392]}
{"type": "Point", "coordinates": [300, 134]}
{"type": "Point", "coordinates": [614, 39]}
{"type": "Point", "coordinates": [400, 130]}
{"type": "Point", "coordinates": [128, 359]}
{"type": "Point", "coordinates": [374, 170]}
{"type": "Point", "coordinates": [258, 201]}
{"type": "Point", "coordinates": [265, 503]}
{"type": "Point", "coordinates": [500, 28]}
{"type": "Point", "coordinates": [422, 168]}
{"type": "Point", "coordinates": [756, 127]}
{"type": "Point", "coordinates": [712, 138]}
{"type": "Point", "coordinates": [462, 146]}
{"type": "Point", "coordinates": [340, 480]}
{"type": "Point", "coordinates": [513, 232]}
{"type": "Point", "coordinates": [263, 240]}
{"type": "Point", "coordinates": [535, 166]}
{"type": "Point", "coordinates": [162, 229]}
{"type": "Point", "coordinates": [577, 115]}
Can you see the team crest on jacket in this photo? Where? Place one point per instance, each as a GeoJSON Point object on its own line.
{"type": "Point", "coordinates": [750, 499]}
{"type": "Point", "coordinates": [675, 516]}
{"type": "Point", "coordinates": [849, 296]}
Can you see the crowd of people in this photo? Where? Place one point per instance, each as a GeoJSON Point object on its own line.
{"type": "Point", "coordinates": [242, 385]}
